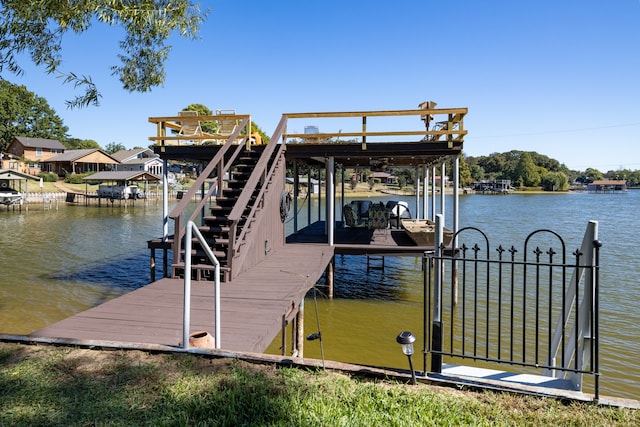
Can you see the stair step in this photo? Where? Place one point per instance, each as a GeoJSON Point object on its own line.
{"type": "Point", "coordinates": [213, 241]}
{"type": "Point", "coordinates": [220, 210]}
{"type": "Point", "coordinates": [199, 253]}
{"type": "Point", "coordinates": [226, 201]}
{"type": "Point", "coordinates": [210, 229]}
{"type": "Point", "coordinates": [215, 219]}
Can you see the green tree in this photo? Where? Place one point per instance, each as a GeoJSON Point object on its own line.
{"type": "Point", "coordinates": [255, 128]}
{"type": "Point", "coordinates": [555, 181]}
{"type": "Point", "coordinates": [208, 126]}
{"type": "Point", "coordinates": [477, 172]}
{"type": "Point", "coordinates": [35, 30]}
{"type": "Point", "coordinates": [593, 174]}
{"type": "Point", "coordinates": [114, 147]}
{"type": "Point", "coordinates": [526, 172]}
{"type": "Point", "coordinates": [409, 175]}
{"type": "Point", "coordinates": [465, 173]}
{"type": "Point", "coordinates": [23, 113]}
{"type": "Point", "coordinates": [402, 181]}
{"type": "Point", "coordinates": [77, 144]}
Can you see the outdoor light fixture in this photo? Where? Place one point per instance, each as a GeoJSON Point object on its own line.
{"type": "Point", "coordinates": [406, 340]}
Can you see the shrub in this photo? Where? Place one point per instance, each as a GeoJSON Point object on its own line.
{"type": "Point", "coordinates": [76, 178]}
{"type": "Point", "coordinates": [48, 176]}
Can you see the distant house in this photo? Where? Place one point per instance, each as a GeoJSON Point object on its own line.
{"type": "Point", "coordinates": [607, 186]}
{"type": "Point", "coordinates": [35, 149]}
{"type": "Point", "coordinates": [80, 161]}
{"type": "Point", "coordinates": [492, 186]}
{"type": "Point", "coordinates": [384, 177]}
{"type": "Point", "coordinates": [139, 159]}
{"type": "Point", "coordinates": [303, 181]}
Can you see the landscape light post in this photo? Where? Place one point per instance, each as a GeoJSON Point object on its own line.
{"type": "Point", "coordinates": [406, 340]}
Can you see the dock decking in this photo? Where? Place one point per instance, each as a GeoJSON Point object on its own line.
{"type": "Point", "coordinates": [361, 241]}
{"type": "Point", "coordinates": [252, 306]}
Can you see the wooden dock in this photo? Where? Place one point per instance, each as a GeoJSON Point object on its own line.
{"type": "Point", "coordinates": [252, 306]}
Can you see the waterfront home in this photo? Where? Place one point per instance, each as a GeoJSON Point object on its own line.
{"type": "Point", "coordinates": [80, 161]}
{"type": "Point", "coordinates": [139, 159]}
{"type": "Point", "coordinates": [35, 149]}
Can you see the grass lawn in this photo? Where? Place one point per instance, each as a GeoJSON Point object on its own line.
{"type": "Point", "coordinates": [46, 385]}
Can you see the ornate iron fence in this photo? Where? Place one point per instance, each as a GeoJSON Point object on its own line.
{"type": "Point", "coordinates": [534, 307]}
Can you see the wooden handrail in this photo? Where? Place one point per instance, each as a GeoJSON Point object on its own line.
{"type": "Point", "coordinates": [216, 117]}
{"type": "Point", "coordinates": [390, 113]}
{"type": "Point", "coordinates": [454, 131]}
{"type": "Point", "coordinates": [260, 195]}
{"type": "Point", "coordinates": [257, 172]}
{"type": "Point", "coordinates": [261, 170]}
{"type": "Point", "coordinates": [171, 122]}
{"type": "Point", "coordinates": [366, 134]}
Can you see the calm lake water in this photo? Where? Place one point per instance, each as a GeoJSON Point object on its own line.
{"type": "Point", "coordinates": [55, 263]}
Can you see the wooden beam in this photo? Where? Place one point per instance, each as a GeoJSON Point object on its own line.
{"type": "Point", "coordinates": [327, 135]}
{"type": "Point", "coordinates": [390, 113]}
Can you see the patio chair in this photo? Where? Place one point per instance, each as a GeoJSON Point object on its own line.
{"type": "Point", "coordinates": [227, 126]}
{"type": "Point", "coordinates": [189, 126]}
{"type": "Point", "coordinates": [378, 217]}
{"type": "Point", "coordinates": [351, 219]}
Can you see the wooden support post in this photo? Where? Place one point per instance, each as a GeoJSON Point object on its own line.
{"type": "Point", "coordinates": [300, 330]}
{"type": "Point", "coordinates": [165, 262]}
{"type": "Point", "coordinates": [330, 278]}
{"type": "Point", "coordinates": [294, 337]}
{"type": "Point", "coordinates": [364, 131]}
{"type": "Point", "coordinates": [152, 265]}
{"type": "Point", "coordinates": [283, 333]}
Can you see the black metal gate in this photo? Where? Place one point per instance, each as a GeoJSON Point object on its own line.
{"type": "Point", "coordinates": [534, 307]}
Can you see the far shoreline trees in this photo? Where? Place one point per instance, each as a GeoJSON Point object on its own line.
{"type": "Point", "coordinates": [523, 168]}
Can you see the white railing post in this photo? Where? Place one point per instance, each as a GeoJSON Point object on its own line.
{"type": "Point", "coordinates": [190, 229]}
{"type": "Point", "coordinates": [186, 313]}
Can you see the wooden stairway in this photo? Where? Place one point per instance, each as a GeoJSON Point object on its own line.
{"type": "Point", "coordinates": [216, 226]}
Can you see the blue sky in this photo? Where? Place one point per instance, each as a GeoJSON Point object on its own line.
{"type": "Point", "coordinates": [556, 77]}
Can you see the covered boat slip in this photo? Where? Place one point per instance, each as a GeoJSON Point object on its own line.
{"type": "Point", "coordinates": [115, 185]}
{"type": "Point", "coordinates": [14, 188]}
{"type": "Point", "coordinates": [424, 139]}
